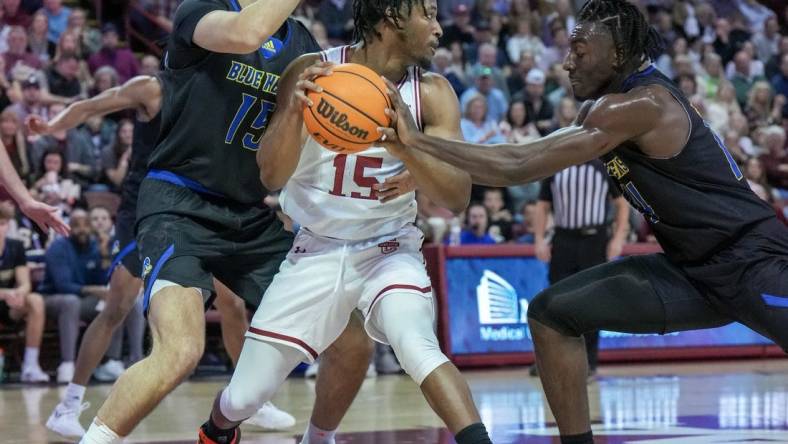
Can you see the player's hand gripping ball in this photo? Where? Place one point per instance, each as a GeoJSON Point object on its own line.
{"type": "Point", "coordinates": [345, 115]}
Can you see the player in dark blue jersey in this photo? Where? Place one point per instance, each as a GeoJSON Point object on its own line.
{"type": "Point", "coordinates": [200, 213]}
{"type": "Point", "coordinates": [725, 253]}
{"type": "Point", "coordinates": [143, 94]}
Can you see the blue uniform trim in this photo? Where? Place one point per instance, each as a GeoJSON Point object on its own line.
{"type": "Point", "coordinates": [775, 301]}
{"type": "Point", "coordinates": [632, 77]}
{"type": "Point", "coordinates": [181, 181]}
{"type": "Point", "coordinates": [120, 256]}
{"type": "Point", "coordinates": [154, 274]}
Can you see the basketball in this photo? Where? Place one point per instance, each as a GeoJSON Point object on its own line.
{"type": "Point", "coordinates": [344, 117]}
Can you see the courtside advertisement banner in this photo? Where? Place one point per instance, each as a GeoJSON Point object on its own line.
{"type": "Point", "coordinates": [487, 307]}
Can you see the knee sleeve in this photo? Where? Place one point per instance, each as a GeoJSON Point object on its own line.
{"type": "Point", "coordinates": [261, 369]}
{"type": "Point", "coordinates": [548, 309]}
{"type": "Point", "coordinates": [406, 320]}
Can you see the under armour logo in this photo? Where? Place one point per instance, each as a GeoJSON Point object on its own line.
{"type": "Point", "coordinates": [298, 250]}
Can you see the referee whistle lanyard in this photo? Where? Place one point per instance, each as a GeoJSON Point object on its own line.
{"type": "Point", "coordinates": [341, 274]}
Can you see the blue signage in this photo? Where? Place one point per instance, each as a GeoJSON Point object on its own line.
{"type": "Point", "coordinates": [488, 300]}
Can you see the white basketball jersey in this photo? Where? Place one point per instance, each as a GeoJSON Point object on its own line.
{"type": "Point", "coordinates": [331, 194]}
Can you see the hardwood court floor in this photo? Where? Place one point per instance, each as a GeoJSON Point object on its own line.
{"type": "Point", "coordinates": [692, 403]}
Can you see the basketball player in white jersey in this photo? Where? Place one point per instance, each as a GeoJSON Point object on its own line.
{"type": "Point", "coordinates": [354, 251]}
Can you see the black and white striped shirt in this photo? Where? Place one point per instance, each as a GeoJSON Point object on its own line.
{"type": "Point", "coordinates": [579, 195]}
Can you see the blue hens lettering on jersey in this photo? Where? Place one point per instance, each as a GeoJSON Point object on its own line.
{"type": "Point", "coordinates": [253, 77]}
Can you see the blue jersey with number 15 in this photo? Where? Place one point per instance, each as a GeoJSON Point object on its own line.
{"type": "Point", "coordinates": [218, 105]}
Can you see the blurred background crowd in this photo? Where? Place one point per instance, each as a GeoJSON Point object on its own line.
{"type": "Point", "coordinates": [502, 57]}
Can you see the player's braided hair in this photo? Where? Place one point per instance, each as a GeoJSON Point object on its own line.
{"type": "Point", "coordinates": [635, 40]}
{"type": "Point", "coordinates": [368, 13]}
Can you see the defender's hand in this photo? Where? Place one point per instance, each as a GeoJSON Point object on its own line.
{"type": "Point", "coordinates": [402, 129]}
{"type": "Point", "coordinates": [395, 186]}
{"type": "Point", "coordinates": [306, 83]}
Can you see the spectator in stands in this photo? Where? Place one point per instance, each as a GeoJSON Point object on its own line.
{"type": "Point", "coordinates": [115, 157]}
{"type": "Point", "coordinates": [567, 111]}
{"type": "Point", "coordinates": [31, 100]}
{"type": "Point", "coordinates": [488, 62]}
{"type": "Point", "coordinates": [476, 125]}
{"type": "Point", "coordinates": [441, 64]}
{"type": "Point", "coordinates": [18, 304]}
{"type": "Point", "coordinates": [88, 39]}
{"type": "Point", "coordinates": [774, 64]}
{"type": "Point", "coordinates": [149, 65]}
{"type": "Point", "coordinates": [560, 18]}
{"type": "Point", "coordinates": [524, 40]}
{"type": "Point", "coordinates": [725, 45]}
{"type": "Point", "coordinates": [775, 161]}
{"type": "Point", "coordinates": [74, 284]}
{"type": "Point", "coordinates": [337, 17]}
{"type": "Point", "coordinates": [780, 82]}
{"type": "Point", "coordinates": [461, 29]}
{"type": "Point", "coordinates": [518, 127]}
{"type": "Point", "coordinates": [475, 231]}
{"type": "Point", "coordinates": [58, 18]}
{"type": "Point", "coordinates": [434, 219]}
{"type": "Point", "coordinates": [525, 231]}
{"type": "Point", "coordinates": [14, 142]}
{"type": "Point", "coordinates": [63, 77]}
{"type": "Point", "coordinates": [756, 177]}
{"type": "Point", "coordinates": [14, 15]}
{"type": "Point", "coordinates": [53, 186]}
{"type": "Point", "coordinates": [38, 42]}
{"type": "Point", "coordinates": [539, 108]}
{"type": "Point", "coordinates": [555, 53]}
{"type": "Point", "coordinates": [104, 78]}
{"type": "Point", "coordinates": [84, 162]}
{"type": "Point", "coordinates": [101, 225]}
{"type": "Point", "coordinates": [763, 109]}
{"type": "Point", "coordinates": [500, 219]}
{"type": "Point", "coordinates": [516, 79]}
{"type": "Point", "coordinates": [743, 79]}
{"type": "Point", "coordinates": [720, 108]}
{"type": "Point", "coordinates": [756, 14]}
{"type": "Point", "coordinates": [496, 103]}
{"type": "Point", "coordinates": [767, 39]}
{"type": "Point", "coordinates": [121, 59]}
{"type": "Point", "coordinates": [711, 78]}
{"type": "Point", "coordinates": [17, 51]}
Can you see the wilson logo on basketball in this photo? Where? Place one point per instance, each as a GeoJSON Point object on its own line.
{"type": "Point", "coordinates": [339, 120]}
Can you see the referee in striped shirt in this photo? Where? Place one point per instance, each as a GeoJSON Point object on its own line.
{"type": "Point", "coordinates": [579, 198]}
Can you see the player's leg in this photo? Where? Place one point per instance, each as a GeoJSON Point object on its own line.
{"type": "Point", "coordinates": [343, 368]}
{"type": "Point", "coordinates": [262, 368]}
{"type": "Point", "coordinates": [33, 313]}
{"type": "Point", "coordinates": [644, 294]}
{"type": "Point", "coordinates": [232, 312]}
{"type": "Point", "coordinates": [406, 320]}
{"type": "Point", "coordinates": [177, 320]}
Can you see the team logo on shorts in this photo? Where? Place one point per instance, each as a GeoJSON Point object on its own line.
{"type": "Point", "coordinates": [388, 247]}
{"type": "Point", "coordinates": [115, 247]}
{"type": "Point", "coordinates": [146, 267]}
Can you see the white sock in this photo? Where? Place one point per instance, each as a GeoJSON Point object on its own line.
{"type": "Point", "coordinates": [99, 433]}
{"type": "Point", "coordinates": [74, 394]}
{"type": "Point", "coordinates": [316, 435]}
{"type": "Point", "coordinates": [31, 357]}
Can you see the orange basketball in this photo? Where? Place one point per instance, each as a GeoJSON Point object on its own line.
{"type": "Point", "coordinates": [344, 117]}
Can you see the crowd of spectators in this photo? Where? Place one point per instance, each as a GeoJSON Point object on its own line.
{"type": "Point", "coordinates": [502, 57]}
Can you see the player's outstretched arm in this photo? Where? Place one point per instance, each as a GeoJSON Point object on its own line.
{"type": "Point", "coordinates": [612, 120]}
{"type": "Point", "coordinates": [44, 215]}
{"type": "Point", "coordinates": [241, 32]}
{"type": "Point", "coordinates": [446, 185]}
{"type": "Point", "coordinates": [139, 92]}
{"type": "Point", "coordinates": [280, 146]}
